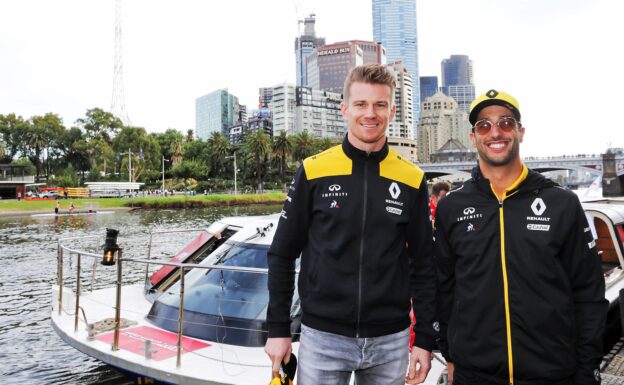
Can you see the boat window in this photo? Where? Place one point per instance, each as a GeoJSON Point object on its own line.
{"type": "Point", "coordinates": [620, 232]}
{"type": "Point", "coordinates": [226, 293]}
{"type": "Point", "coordinates": [605, 246]}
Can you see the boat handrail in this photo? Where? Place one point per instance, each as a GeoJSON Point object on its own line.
{"type": "Point", "coordinates": [120, 261]}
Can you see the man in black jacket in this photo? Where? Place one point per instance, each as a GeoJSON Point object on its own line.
{"type": "Point", "coordinates": [521, 292]}
{"type": "Point", "coordinates": [358, 216]}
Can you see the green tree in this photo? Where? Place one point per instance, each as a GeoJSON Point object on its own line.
{"type": "Point", "coordinates": [51, 128]}
{"type": "Point", "coordinates": [100, 124]}
{"type": "Point", "coordinates": [165, 139]}
{"type": "Point", "coordinates": [36, 140]}
{"type": "Point", "coordinates": [282, 148]}
{"type": "Point", "coordinates": [219, 149]}
{"type": "Point", "coordinates": [13, 130]}
{"type": "Point", "coordinates": [75, 151]}
{"type": "Point", "coordinates": [187, 170]}
{"type": "Point", "coordinates": [198, 151]}
{"type": "Point", "coordinates": [177, 152]}
{"type": "Point", "coordinates": [190, 136]}
{"type": "Point", "coordinates": [144, 149]}
{"type": "Point", "coordinates": [322, 144]}
{"type": "Point", "coordinates": [258, 145]}
{"type": "Point", "coordinates": [303, 146]}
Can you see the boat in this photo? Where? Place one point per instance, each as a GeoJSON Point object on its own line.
{"type": "Point", "coordinates": [77, 212]}
{"type": "Point", "coordinates": [200, 317]}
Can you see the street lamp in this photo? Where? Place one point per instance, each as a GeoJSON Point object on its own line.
{"type": "Point", "coordinates": [129, 165]}
{"type": "Point", "coordinates": [235, 171]}
{"type": "Point", "coordinates": [163, 174]}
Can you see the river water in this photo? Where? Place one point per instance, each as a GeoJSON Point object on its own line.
{"type": "Point", "coordinates": [30, 350]}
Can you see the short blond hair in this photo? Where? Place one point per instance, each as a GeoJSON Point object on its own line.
{"type": "Point", "coordinates": [371, 74]}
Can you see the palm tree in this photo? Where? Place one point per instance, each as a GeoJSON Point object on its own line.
{"type": "Point", "coordinates": [37, 140]}
{"type": "Point", "coordinates": [258, 145]}
{"type": "Point", "coordinates": [177, 152]}
{"type": "Point", "coordinates": [219, 148]}
{"type": "Point", "coordinates": [303, 146]}
{"type": "Point", "coordinates": [190, 136]}
{"type": "Point", "coordinates": [282, 147]}
{"type": "Point", "coordinates": [323, 144]}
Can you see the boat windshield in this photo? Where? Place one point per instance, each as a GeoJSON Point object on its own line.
{"type": "Point", "coordinates": [221, 305]}
{"type": "Point", "coordinates": [226, 293]}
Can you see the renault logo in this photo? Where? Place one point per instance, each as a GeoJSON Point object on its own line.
{"type": "Point", "coordinates": [395, 191]}
{"type": "Point", "coordinates": [335, 187]}
{"type": "Point", "coordinates": [469, 210]}
{"type": "Point", "coordinates": [492, 94]}
{"type": "Point", "coordinates": [538, 206]}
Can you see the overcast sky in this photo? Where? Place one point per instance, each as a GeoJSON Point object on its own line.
{"type": "Point", "coordinates": [562, 59]}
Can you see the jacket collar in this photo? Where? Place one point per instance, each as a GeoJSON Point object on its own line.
{"type": "Point", "coordinates": [533, 181]}
{"type": "Point", "coordinates": [357, 154]}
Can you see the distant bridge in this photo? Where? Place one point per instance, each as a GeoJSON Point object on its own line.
{"type": "Point", "coordinates": [590, 166]}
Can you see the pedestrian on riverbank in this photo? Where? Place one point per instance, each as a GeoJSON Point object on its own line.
{"type": "Point", "coordinates": [71, 207]}
{"type": "Point", "coordinates": [357, 214]}
{"type": "Point", "coordinates": [57, 207]}
{"type": "Point", "coordinates": [521, 292]}
{"type": "Point", "coordinates": [19, 196]}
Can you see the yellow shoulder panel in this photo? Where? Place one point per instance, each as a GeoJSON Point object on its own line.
{"type": "Point", "coordinates": [396, 168]}
{"type": "Point", "coordinates": [330, 162]}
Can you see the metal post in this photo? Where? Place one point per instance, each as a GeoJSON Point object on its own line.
{"type": "Point", "coordinates": [149, 256]}
{"type": "Point", "coordinates": [59, 267]}
{"type": "Point", "coordinates": [118, 303]}
{"type": "Point", "coordinates": [180, 319]}
{"type": "Point", "coordinates": [77, 293]}
{"type": "Point", "coordinates": [163, 172]}
{"type": "Point", "coordinates": [130, 168]}
{"type": "Point", "coordinates": [235, 171]}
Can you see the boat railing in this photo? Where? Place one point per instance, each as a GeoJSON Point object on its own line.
{"type": "Point", "coordinates": [121, 261]}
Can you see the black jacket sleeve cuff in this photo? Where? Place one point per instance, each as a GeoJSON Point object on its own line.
{"type": "Point", "coordinates": [277, 330]}
{"type": "Point", "coordinates": [424, 341]}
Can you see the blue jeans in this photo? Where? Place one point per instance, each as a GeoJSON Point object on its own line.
{"type": "Point", "coordinates": [329, 359]}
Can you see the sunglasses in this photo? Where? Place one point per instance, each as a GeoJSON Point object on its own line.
{"type": "Point", "coordinates": [507, 124]}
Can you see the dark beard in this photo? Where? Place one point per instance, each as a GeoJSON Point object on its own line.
{"type": "Point", "coordinates": [511, 155]}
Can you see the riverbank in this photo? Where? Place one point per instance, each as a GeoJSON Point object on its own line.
{"type": "Point", "coordinates": [26, 207]}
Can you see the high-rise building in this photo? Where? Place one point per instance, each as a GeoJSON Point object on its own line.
{"type": "Point", "coordinates": [394, 26]}
{"type": "Point", "coordinates": [260, 120]}
{"type": "Point", "coordinates": [440, 121]}
{"type": "Point", "coordinates": [318, 112]}
{"type": "Point", "coordinates": [283, 108]}
{"type": "Point", "coordinates": [215, 112]}
{"type": "Point", "coordinates": [457, 80]}
{"type": "Point", "coordinates": [403, 124]}
{"type": "Point", "coordinates": [457, 71]}
{"type": "Point", "coordinates": [265, 94]}
{"type": "Point", "coordinates": [304, 45]}
{"type": "Point", "coordinates": [428, 86]}
{"type": "Point", "coordinates": [329, 64]}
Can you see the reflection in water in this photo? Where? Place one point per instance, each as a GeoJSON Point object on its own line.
{"type": "Point", "coordinates": [32, 353]}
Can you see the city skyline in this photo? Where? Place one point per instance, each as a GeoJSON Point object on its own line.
{"type": "Point", "coordinates": [557, 58]}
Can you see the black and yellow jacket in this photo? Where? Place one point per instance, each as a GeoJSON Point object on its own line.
{"type": "Point", "coordinates": [521, 295]}
{"type": "Point", "coordinates": [360, 222]}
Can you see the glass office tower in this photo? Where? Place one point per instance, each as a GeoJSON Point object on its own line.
{"type": "Point", "coordinates": [394, 26]}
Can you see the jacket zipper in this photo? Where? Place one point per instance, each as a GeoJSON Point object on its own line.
{"type": "Point", "coordinates": [359, 300]}
{"type": "Point", "coordinates": [506, 285]}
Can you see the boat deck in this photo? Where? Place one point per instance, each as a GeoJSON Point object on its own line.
{"type": "Point", "coordinates": [613, 373]}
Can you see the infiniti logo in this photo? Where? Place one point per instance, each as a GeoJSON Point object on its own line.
{"type": "Point", "coordinates": [470, 213]}
{"type": "Point", "coordinates": [335, 187]}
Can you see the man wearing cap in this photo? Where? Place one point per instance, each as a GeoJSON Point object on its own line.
{"type": "Point", "coordinates": [521, 291]}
